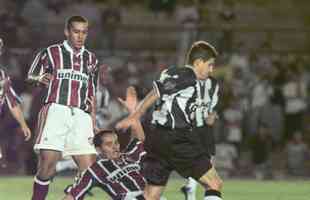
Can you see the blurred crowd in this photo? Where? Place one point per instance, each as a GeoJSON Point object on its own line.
{"type": "Point", "coordinates": [264, 126]}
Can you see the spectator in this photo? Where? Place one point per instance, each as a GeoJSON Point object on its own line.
{"type": "Point", "coordinates": [111, 19]}
{"type": "Point", "coordinates": [187, 17]}
{"type": "Point", "coordinates": [225, 158]}
{"type": "Point", "coordinates": [261, 146]}
{"type": "Point", "coordinates": [295, 94]}
{"type": "Point", "coordinates": [297, 153]}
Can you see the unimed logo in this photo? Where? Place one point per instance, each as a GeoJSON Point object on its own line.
{"type": "Point", "coordinates": [72, 75]}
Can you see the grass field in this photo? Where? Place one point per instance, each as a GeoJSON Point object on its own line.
{"type": "Point", "coordinates": [19, 188]}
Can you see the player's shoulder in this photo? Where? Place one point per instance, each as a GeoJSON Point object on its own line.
{"type": "Point", "coordinates": [49, 49]}
{"type": "Point", "coordinates": [180, 71]}
{"type": "Point", "coordinates": [90, 53]}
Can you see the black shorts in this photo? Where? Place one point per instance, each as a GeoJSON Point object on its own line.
{"type": "Point", "coordinates": [168, 150]}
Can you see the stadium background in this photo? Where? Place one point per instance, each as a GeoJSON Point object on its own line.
{"type": "Point", "coordinates": [263, 69]}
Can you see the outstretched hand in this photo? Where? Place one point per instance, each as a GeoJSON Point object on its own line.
{"type": "Point", "coordinates": [131, 101]}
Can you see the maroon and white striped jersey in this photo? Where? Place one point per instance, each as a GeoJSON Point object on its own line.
{"type": "Point", "coordinates": [121, 179]}
{"type": "Point", "coordinates": [7, 93]}
{"type": "Point", "coordinates": [74, 74]}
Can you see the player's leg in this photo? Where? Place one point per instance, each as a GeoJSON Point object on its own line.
{"type": "Point", "coordinates": [51, 133]}
{"type": "Point", "coordinates": [189, 189]}
{"type": "Point", "coordinates": [153, 192]}
{"type": "Point", "coordinates": [212, 183]}
{"type": "Point", "coordinates": [79, 143]}
{"type": "Point", "coordinates": [46, 171]}
{"type": "Point", "coordinates": [65, 164]}
{"type": "Point", "coordinates": [156, 172]}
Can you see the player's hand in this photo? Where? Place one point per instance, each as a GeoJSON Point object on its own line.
{"type": "Point", "coordinates": [125, 123]}
{"type": "Point", "coordinates": [26, 131]}
{"type": "Point", "coordinates": [46, 78]}
{"type": "Point", "coordinates": [96, 129]}
{"type": "Point", "coordinates": [210, 120]}
{"type": "Point", "coordinates": [131, 101]}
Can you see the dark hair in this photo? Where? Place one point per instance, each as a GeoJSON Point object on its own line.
{"type": "Point", "coordinates": [75, 18]}
{"type": "Point", "coordinates": [98, 137]}
{"type": "Point", "coordinates": [200, 50]}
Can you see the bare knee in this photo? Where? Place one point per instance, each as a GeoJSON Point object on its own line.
{"type": "Point", "coordinates": [152, 192]}
{"type": "Point", "coordinates": [47, 165]}
{"type": "Point", "coordinates": [216, 184]}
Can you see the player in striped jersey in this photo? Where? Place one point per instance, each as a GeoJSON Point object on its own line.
{"type": "Point", "coordinates": [65, 124]}
{"type": "Point", "coordinates": [118, 174]}
{"type": "Point", "coordinates": [175, 142]}
{"type": "Point", "coordinates": [9, 97]}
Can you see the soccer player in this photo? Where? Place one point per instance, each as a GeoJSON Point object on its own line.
{"type": "Point", "coordinates": [65, 124]}
{"type": "Point", "coordinates": [117, 173]}
{"type": "Point", "coordinates": [175, 143]}
{"type": "Point", "coordinates": [9, 97]}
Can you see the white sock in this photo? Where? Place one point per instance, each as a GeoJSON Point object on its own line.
{"type": "Point", "coordinates": [192, 184]}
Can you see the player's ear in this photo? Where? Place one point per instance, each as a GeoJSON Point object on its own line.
{"type": "Point", "coordinates": [66, 32]}
{"type": "Point", "coordinates": [98, 150]}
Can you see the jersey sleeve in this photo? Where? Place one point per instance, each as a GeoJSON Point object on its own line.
{"type": "Point", "coordinates": [135, 150]}
{"type": "Point", "coordinates": [214, 94]}
{"type": "Point", "coordinates": [93, 80]}
{"type": "Point", "coordinates": [174, 79]}
{"type": "Point", "coordinates": [86, 182]}
{"type": "Point", "coordinates": [39, 66]}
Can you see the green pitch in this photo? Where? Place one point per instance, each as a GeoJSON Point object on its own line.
{"type": "Point", "coordinates": [19, 188]}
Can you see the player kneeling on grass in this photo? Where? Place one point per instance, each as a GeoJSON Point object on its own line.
{"type": "Point", "coordinates": [117, 173]}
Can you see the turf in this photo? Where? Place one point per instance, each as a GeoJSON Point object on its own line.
{"type": "Point", "coordinates": [19, 188]}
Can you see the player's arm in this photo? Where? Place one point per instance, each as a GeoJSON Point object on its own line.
{"type": "Point", "coordinates": [85, 184]}
{"type": "Point", "coordinates": [212, 114]}
{"type": "Point", "coordinates": [18, 115]}
{"type": "Point", "coordinates": [130, 103]}
{"type": "Point", "coordinates": [143, 106]}
{"type": "Point", "coordinates": [91, 95]}
{"type": "Point", "coordinates": [38, 71]}
{"type": "Point", "coordinates": [13, 103]}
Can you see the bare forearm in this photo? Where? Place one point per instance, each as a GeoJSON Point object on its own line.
{"type": "Point", "coordinates": [145, 104]}
{"type": "Point", "coordinates": [137, 130]}
{"type": "Point", "coordinates": [18, 115]}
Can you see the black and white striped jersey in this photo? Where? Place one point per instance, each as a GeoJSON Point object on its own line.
{"type": "Point", "coordinates": [184, 101]}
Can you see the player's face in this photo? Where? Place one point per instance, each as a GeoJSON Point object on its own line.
{"type": "Point", "coordinates": [77, 34]}
{"type": "Point", "coordinates": [204, 68]}
{"type": "Point", "coordinates": [110, 146]}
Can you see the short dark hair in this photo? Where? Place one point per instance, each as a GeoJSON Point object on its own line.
{"type": "Point", "coordinates": [200, 50]}
{"type": "Point", "coordinates": [75, 18]}
{"type": "Point", "coordinates": [98, 137]}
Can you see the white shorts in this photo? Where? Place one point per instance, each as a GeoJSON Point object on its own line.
{"type": "Point", "coordinates": [65, 129]}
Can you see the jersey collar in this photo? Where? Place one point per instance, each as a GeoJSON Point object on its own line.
{"type": "Point", "coordinates": [69, 48]}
